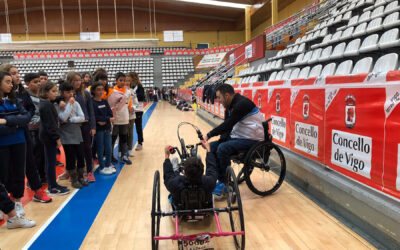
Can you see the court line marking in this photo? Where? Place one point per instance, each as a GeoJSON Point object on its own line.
{"type": "Point", "coordinates": [150, 108]}
{"type": "Point", "coordinates": [45, 225]}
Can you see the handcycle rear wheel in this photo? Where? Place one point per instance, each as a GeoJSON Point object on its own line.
{"type": "Point", "coordinates": [236, 215]}
{"type": "Point", "coordinates": [264, 168]}
{"type": "Point", "coordinates": [155, 208]}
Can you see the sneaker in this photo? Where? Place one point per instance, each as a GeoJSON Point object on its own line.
{"type": "Point", "coordinates": [130, 153]}
{"type": "Point", "coordinates": [112, 168]}
{"type": "Point", "coordinates": [90, 177]}
{"type": "Point", "coordinates": [219, 190]}
{"type": "Point", "coordinates": [107, 171]}
{"type": "Point", "coordinates": [59, 190]}
{"type": "Point", "coordinates": [126, 160]}
{"type": "Point", "coordinates": [139, 147]}
{"type": "Point", "coordinates": [19, 209]}
{"type": "Point", "coordinates": [59, 164]}
{"type": "Point", "coordinates": [1, 215]}
{"type": "Point", "coordinates": [64, 176]}
{"type": "Point", "coordinates": [19, 222]}
{"type": "Point", "coordinates": [41, 196]}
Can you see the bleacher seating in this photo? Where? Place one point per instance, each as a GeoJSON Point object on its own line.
{"type": "Point", "coordinates": [58, 68]}
{"type": "Point", "coordinates": [352, 37]}
{"type": "Point", "coordinates": [175, 69]}
{"type": "Point", "coordinates": [153, 50]}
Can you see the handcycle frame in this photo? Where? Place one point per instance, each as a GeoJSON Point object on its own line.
{"type": "Point", "coordinates": [234, 204]}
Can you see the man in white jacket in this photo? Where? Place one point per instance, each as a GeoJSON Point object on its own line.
{"type": "Point", "coordinates": [120, 107]}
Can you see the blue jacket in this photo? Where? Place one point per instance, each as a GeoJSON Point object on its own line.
{"type": "Point", "coordinates": [17, 118]}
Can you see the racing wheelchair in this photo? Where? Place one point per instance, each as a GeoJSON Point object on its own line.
{"type": "Point", "coordinates": [195, 204]}
{"type": "Point", "coordinates": [264, 165]}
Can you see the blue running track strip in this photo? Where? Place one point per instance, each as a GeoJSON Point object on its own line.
{"type": "Point", "coordinates": [70, 226]}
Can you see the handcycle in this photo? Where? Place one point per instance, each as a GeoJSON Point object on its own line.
{"type": "Point", "coordinates": [195, 204]}
{"type": "Point", "coordinates": [264, 165]}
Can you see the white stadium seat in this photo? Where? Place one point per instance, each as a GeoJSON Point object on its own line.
{"type": "Point", "coordinates": [391, 21]}
{"type": "Point", "coordinates": [328, 70]}
{"type": "Point", "coordinates": [386, 63]}
{"type": "Point", "coordinates": [338, 51]}
{"type": "Point", "coordinates": [369, 44]}
{"type": "Point", "coordinates": [389, 39]}
{"type": "Point", "coordinates": [295, 73]}
{"type": "Point", "coordinates": [325, 55]}
{"type": "Point", "coordinates": [344, 68]}
{"type": "Point", "coordinates": [304, 73]}
{"type": "Point", "coordinates": [352, 48]}
{"type": "Point", "coordinates": [363, 66]}
{"type": "Point", "coordinates": [315, 71]}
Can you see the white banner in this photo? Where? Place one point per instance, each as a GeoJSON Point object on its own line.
{"type": "Point", "coordinates": [306, 138]}
{"type": "Point", "coordinates": [392, 99]}
{"type": "Point", "coordinates": [352, 152]}
{"type": "Point", "coordinates": [248, 51]}
{"type": "Point", "coordinates": [211, 60]}
{"type": "Point", "coordinates": [278, 128]}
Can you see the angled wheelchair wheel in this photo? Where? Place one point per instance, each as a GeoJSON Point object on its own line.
{"type": "Point", "coordinates": [155, 208]}
{"type": "Point", "coordinates": [235, 203]}
{"type": "Point", "coordinates": [265, 168]}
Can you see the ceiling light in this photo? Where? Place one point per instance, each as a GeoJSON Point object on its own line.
{"type": "Point", "coordinates": [218, 3]}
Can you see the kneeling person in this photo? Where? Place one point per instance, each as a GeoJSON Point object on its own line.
{"type": "Point", "coordinates": [193, 169]}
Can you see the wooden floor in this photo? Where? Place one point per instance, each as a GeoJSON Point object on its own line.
{"type": "Point", "coordinates": [285, 220]}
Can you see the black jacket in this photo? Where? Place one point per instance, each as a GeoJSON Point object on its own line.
{"type": "Point", "coordinates": [175, 183]}
{"type": "Point", "coordinates": [239, 108]}
{"type": "Point", "coordinates": [49, 123]}
{"type": "Point", "coordinates": [27, 102]}
{"type": "Point", "coordinates": [140, 93]}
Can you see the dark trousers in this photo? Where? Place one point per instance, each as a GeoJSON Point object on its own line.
{"type": "Point", "coordinates": [12, 168]}
{"type": "Point", "coordinates": [87, 145]}
{"type": "Point", "coordinates": [6, 205]}
{"type": "Point", "coordinates": [50, 153]}
{"type": "Point", "coordinates": [139, 126]}
{"type": "Point", "coordinates": [32, 173]}
{"type": "Point", "coordinates": [130, 133]}
{"type": "Point", "coordinates": [122, 132]}
{"type": "Point", "coordinates": [224, 151]}
{"type": "Point", "coordinates": [74, 156]}
{"type": "Point", "coordinates": [38, 152]}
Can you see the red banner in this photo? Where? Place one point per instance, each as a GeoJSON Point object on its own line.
{"type": "Point", "coordinates": [348, 123]}
{"type": "Point", "coordinates": [81, 54]}
{"type": "Point", "coordinates": [248, 52]}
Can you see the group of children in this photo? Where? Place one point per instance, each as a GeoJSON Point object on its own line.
{"type": "Point", "coordinates": [82, 114]}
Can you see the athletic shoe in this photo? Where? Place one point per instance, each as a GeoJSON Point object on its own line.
{"type": "Point", "coordinates": [90, 177]}
{"type": "Point", "coordinates": [126, 160]}
{"type": "Point", "coordinates": [19, 222]}
{"type": "Point", "coordinates": [64, 176]}
{"type": "Point", "coordinates": [19, 209]}
{"type": "Point", "coordinates": [1, 215]}
{"type": "Point", "coordinates": [59, 164]}
{"type": "Point", "coordinates": [130, 153]}
{"type": "Point", "coordinates": [139, 147]}
{"type": "Point", "coordinates": [113, 169]}
{"type": "Point", "coordinates": [41, 196]}
{"type": "Point", "coordinates": [219, 190]}
{"type": "Point", "coordinates": [107, 171]}
{"type": "Point", "coordinates": [59, 190]}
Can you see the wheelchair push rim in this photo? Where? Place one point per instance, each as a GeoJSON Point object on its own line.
{"type": "Point", "coordinates": [235, 215]}
{"type": "Point", "coordinates": [155, 211]}
{"type": "Point", "coordinates": [264, 168]}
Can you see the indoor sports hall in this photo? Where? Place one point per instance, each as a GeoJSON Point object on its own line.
{"type": "Point", "coordinates": [207, 124]}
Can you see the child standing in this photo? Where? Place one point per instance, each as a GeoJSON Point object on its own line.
{"type": "Point", "coordinates": [120, 108]}
{"type": "Point", "coordinates": [139, 91]}
{"type": "Point", "coordinates": [49, 135]}
{"type": "Point", "coordinates": [104, 117]}
{"type": "Point", "coordinates": [35, 149]}
{"type": "Point", "coordinates": [13, 119]}
{"type": "Point", "coordinates": [132, 115]}
{"type": "Point", "coordinates": [71, 117]}
{"type": "Point", "coordinates": [88, 127]}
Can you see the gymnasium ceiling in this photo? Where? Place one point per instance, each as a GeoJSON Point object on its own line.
{"type": "Point", "coordinates": [261, 10]}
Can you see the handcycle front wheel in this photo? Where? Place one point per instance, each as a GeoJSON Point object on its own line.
{"type": "Point", "coordinates": [264, 168]}
{"type": "Point", "coordinates": [235, 203]}
{"type": "Point", "coordinates": [155, 211]}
